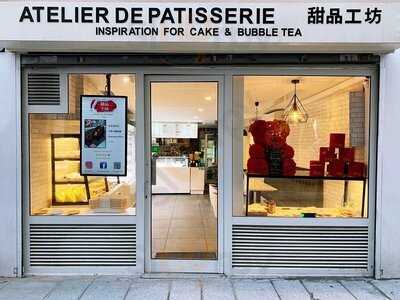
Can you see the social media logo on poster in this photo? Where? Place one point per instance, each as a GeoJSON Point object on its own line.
{"type": "Point", "coordinates": [103, 165]}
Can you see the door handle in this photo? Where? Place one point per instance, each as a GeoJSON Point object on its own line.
{"type": "Point", "coordinates": [153, 171]}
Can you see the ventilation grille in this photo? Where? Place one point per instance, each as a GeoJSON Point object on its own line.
{"type": "Point", "coordinates": [82, 245]}
{"type": "Point", "coordinates": [300, 247]}
{"type": "Point", "coordinates": [43, 89]}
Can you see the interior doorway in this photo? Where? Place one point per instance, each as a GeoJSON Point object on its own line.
{"type": "Point", "coordinates": [183, 211]}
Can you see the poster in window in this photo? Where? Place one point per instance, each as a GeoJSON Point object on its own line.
{"type": "Point", "coordinates": [103, 135]}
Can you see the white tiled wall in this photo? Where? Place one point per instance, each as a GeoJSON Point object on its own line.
{"type": "Point", "coordinates": [341, 112]}
{"type": "Point", "coordinates": [41, 127]}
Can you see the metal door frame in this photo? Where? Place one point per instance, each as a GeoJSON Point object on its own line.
{"type": "Point", "coordinates": [230, 112]}
{"type": "Point", "coordinates": [185, 266]}
{"type": "Point", "coordinates": [369, 222]}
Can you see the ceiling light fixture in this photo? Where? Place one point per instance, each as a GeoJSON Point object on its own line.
{"type": "Point", "coordinates": [295, 111]}
{"type": "Point", "coordinates": [200, 109]}
{"type": "Point", "coordinates": [107, 89]}
{"type": "Point", "coordinates": [208, 98]}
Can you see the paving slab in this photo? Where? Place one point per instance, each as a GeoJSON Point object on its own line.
{"type": "Point", "coordinates": [254, 289]}
{"type": "Point", "coordinates": [3, 282]}
{"type": "Point", "coordinates": [107, 287]}
{"type": "Point", "coordinates": [290, 289]}
{"type": "Point", "coordinates": [194, 288]}
{"type": "Point", "coordinates": [27, 288]}
{"type": "Point", "coordinates": [363, 290]}
{"type": "Point", "coordinates": [70, 288]}
{"type": "Point", "coordinates": [217, 288]}
{"type": "Point", "coordinates": [153, 289]}
{"type": "Point", "coordinates": [327, 290]}
{"type": "Point", "coordinates": [391, 288]}
{"type": "Point", "coordinates": [185, 289]}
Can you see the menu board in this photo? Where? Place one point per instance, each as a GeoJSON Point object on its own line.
{"type": "Point", "coordinates": [103, 135]}
{"type": "Point", "coordinates": [174, 130]}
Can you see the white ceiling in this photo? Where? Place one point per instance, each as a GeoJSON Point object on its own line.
{"type": "Point", "coordinates": [275, 92]}
{"type": "Point", "coordinates": [184, 102]}
{"type": "Point", "coordinates": [121, 85]}
{"type": "Point", "coordinates": [197, 101]}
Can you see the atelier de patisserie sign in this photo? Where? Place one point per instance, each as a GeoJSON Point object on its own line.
{"type": "Point", "coordinates": [278, 22]}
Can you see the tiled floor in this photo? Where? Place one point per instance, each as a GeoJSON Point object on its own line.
{"type": "Point", "coordinates": [183, 223]}
{"type": "Point", "coordinates": [201, 287]}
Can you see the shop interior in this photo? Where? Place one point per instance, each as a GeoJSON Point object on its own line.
{"type": "Point", "coordinates": [56, 186]}
{"type": "Point", "coordinates": [305, 146]}
{"type": "Point", "coordinates": [305, 154]}
{"type": "Point", "coordinates": [184, 170]}
{"type": "Point", "coordinates": [184, 164]}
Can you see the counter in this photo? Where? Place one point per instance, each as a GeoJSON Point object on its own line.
{"type": "Point", "coordinates": [173, 176]}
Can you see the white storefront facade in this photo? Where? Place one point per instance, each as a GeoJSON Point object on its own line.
{"type": "Point", "coordinates": [341, 54]}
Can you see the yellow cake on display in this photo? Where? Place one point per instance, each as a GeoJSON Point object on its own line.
{"type": "Point", "coordinates": [261, 209]}
{"type": "Point", "coordinates": [70, 193]}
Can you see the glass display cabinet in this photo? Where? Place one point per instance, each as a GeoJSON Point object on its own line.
{"type": "Point", "coordinates": [305, 196]}
{"type": "Point", "coordinates": [68, 186]}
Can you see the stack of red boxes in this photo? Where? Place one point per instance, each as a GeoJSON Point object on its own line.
{"type": "Point", "coordinates": [270, 137]}
{"type": "Point", "coordinates": [338, 158]}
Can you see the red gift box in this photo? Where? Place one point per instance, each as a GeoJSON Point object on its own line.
{"type": "Point", "coordinates": [317, 168]}
{"type": "Point", "coordinates": [346, 154]}
{"type": "Point", "coordinates": [336, 140]}
{"type": "Point", "coordinates": [327, 154]}
{"type": "Point", "coordinates": [356, 169]}
{"type": "Point", "coordinates": [336, 168]}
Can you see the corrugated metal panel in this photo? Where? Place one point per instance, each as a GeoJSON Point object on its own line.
{"type": "Point", "coordinates": [82, 245]}
{"type": "Point", "coordinates": [300, 247]}
{"type": "Point", "coordinates": [44, 89]}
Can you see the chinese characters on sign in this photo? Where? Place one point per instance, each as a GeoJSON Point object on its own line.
{"type": "Point", "coordinates": [209, 22]}
{"type": "Point", "coordinates": [322, 15]}
{"type": "Point", "coordinates": [103, 135]}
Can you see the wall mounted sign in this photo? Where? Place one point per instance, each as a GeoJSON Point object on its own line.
{"type": "Point", "coordinates": [103, 135]}
{"type": "Point", "coordinates": [237, 22]}
{"type": "Point", "coordinates": [174, 130]}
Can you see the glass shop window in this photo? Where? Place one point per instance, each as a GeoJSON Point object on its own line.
{"type": "Point", "coordinates": [56, 186]}
{"type": "Point", "coordinates": [305, 146]}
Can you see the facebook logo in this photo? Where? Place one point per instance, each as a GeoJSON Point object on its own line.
{"type": "Point", "coordinates": [103, 165]}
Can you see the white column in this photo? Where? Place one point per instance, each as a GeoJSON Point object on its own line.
{"type": "Point", "coordinates": [388, 170]}
{"type": "Point", "coordinates": [10, 165]}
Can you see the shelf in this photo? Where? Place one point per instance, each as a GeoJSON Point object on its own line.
{"type": "Point", "coordinates": [303, 174]}
{"type": "Point", "coordinates": [67, 159]}
{"type": "Point", "coordinates": [69, 182]}
{"type": "Point", "coordinates": [70, 203]}
{"type": "Point", "coordinates": [79, 182]}
{"type": "Point", "coordinates": [343, 178]}
{"type": "Point", "coordinates": [70, 161]}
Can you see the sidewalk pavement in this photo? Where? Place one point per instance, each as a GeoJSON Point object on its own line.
{"type": "Point", "coordinates": [194, 288]}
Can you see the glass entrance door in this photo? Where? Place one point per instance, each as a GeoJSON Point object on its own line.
{"type": "Point", "coordinates": [183, 146]}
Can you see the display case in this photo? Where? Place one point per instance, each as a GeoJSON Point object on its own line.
{"type": "Point", "coordinates": [302, 195]}
{"type": "Point", "coordinates": [172, 161]}
{"type": "Point", "coordinates": [68, 186]}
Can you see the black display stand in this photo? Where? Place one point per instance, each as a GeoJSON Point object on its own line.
{"type": "Point", "coordinates": [301, 175]}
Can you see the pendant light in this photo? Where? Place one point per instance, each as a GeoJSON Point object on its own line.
{"type": "Point", "coordinates": [107, 89]}
{"type": "Point", "coordinates": [295, 111]}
